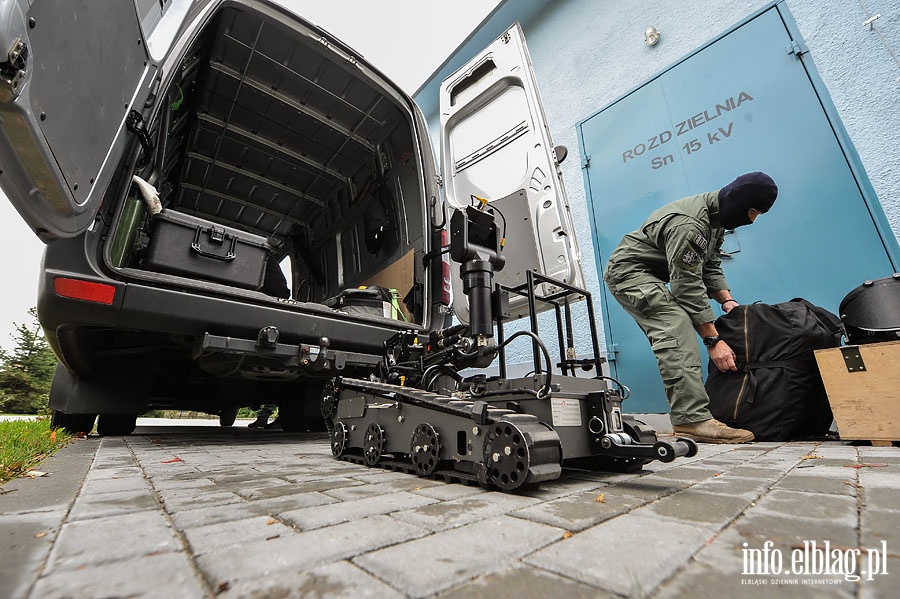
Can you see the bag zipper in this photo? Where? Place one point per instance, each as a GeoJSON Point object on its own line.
{"type": "Point", "coordinates": [737, 402]}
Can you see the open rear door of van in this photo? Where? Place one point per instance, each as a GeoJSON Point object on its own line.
{"type": "Point", "coordinates": [495, 144]}
{"type": "Point", "coordinates": [71, 71]}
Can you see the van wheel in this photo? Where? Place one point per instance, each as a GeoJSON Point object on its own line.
{"type": "Point", "coordinates": [114, 425]}
{"type": "Point", "coordinates": [72, 423]}
{"type": "Point", "coordinates": [227, 416]}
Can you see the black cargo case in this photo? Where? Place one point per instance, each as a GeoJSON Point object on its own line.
{"type": "Point", "coordinates": [871, 312]}
{"type": "Point", "coordinates": [194, 247]}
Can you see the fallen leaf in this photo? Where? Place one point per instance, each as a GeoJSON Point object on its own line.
{"type": "Point", "coordinates": [851, 484]}
{"type": "Point", "coordinates": [36, 473]}
{"type": "Point", "coordinates": [858, 466]}
{"type": "Point", "coordinates": [223, 586]}
{"type": "Point", "coordinates": [811, 456]}
{"type": "Point", "coordinates": [53, 436]}
{"type": "Point", "coordinates": [173, 460]}
{"type": "Point", "coordinates": [567, 535]}
{"type": "Point", "coordinates": [600, 498]}
{"type": "Point", "coordinates": [80, 435]}
{"type": "Point", "coordinates": [271, 522]}
{"type": "Point", "coordinates": [40, 535]}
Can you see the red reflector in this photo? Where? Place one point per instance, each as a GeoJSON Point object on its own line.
{"type": "Point", "coordinates": [98, 293]}
{"type": "Point", "coordinates": [445, 283]}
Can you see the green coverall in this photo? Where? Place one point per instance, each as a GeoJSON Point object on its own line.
{"type": "Point", "coordinates": [678, 244]}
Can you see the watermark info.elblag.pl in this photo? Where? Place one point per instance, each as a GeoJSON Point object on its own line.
{"type": "Point", "coordinates": [815, 563]}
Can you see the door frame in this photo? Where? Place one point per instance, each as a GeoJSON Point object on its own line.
{"type": "Point", "coordinates": [873, 206]}
{"type": "Point", "coordinates": [876, 212]}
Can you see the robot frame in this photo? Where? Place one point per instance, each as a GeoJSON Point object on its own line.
{"type": "Point", "coordinates": [426, 416]}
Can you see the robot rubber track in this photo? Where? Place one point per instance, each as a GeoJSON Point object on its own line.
{"type": "Point", "coordinates": [495, 442]}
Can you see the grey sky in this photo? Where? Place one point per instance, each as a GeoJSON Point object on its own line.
{"type": "Point", "coordinates": [405, 39]}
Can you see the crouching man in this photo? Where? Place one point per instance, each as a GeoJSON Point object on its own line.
{"type": "Point", "coordinates": [679, 245]}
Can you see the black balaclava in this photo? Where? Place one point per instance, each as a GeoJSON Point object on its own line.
{"type": "Point", "coordinates": [752, 190]}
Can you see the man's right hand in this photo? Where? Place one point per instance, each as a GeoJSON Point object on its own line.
{"type": "Point", "coordinates": [723, 356]}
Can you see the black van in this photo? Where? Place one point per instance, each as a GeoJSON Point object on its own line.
{"type": "Point", "coordinates": [216, 180]}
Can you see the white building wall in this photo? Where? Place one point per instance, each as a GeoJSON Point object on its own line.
{"type": "Point", "coordinates": [588, 53]}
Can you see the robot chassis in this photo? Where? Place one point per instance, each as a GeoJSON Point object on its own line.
{"type": "Point", "coordinates": [426, 418]}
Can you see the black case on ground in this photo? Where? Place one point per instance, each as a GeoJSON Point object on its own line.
{"type": "Point", "coordinates": [194, 247]}
{"type": "Point", "coordinates": [871, 312]}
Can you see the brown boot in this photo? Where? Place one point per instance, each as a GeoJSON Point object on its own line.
{"type": "Point", "coordinates": [713, 431]}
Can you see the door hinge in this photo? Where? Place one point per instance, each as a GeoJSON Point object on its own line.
{"type": "Point", "coordinates": [797, 48]}
{"type": "Point", "coordinates": [612, 350]}
{"type": "Point", "coordinates": [12, 70]}
{"type": "Point", "coordinates": [853, 358]}
{"type": "Point", "coordinates": [586, 162]}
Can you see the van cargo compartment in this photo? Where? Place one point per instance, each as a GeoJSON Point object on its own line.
{"type": "Point", "coordinates": [186, 245]}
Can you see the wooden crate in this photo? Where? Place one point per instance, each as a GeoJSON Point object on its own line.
{"type": "Point", "coordinates": [863, 385]}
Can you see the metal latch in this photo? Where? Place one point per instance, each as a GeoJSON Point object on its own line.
{"type": "Point", "coordinates": [217, 233]}
{"type": "Point", "coordinates": [853, 358]}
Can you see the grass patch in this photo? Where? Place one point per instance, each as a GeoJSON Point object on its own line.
{"type": "Point", "coordinates": [24, 443]}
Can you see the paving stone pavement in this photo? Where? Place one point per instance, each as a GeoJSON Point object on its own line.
{"type": "Point", "coordinates": [206, 512]}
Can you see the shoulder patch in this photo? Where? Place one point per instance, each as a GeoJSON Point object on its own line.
{"type": "Point", "coordinates": [690, 257]}
{"type": "Point", "coordinates": [700, 241]}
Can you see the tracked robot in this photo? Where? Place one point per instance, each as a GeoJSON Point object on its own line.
{"type": "Point", "coordinates": [431, 414]}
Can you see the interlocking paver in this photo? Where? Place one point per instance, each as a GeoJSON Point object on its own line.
{"type": "Point", "coordinates": [708, 509]}
{"type": "Point", "coordinates": [27, 540]}
{"type": "Point", "coordinates": [729, 484]}
{"type": "Point", "coordinates": [305, 550]}
{"type": "Point", "coordinates": [235, 532]}
{"type": "Point", "coordinates": [524, 582]}
{"type": "Point", "coordinates": [435, 563]}
{"type": "Point", "coordinates": [165, 575]}
{"type": "Point", "coordinates": [458, 512]}
{"type": "Point", "coordinates": [817, 484]}
{"type": "Point", "coordinates": [115, 484]}
{"type": "Point", "coordinates": [85, 542]}
{"type": "Point", "coordinates": [577, 512]}
{"type": "Point", "coordinates": [257, 513]}
{"type": "Point", "coordinates": [97, 505]}
{"type": "Point", "coordinates": [344, 511]}
{"type": "Point", "coordinates": [630, 555]}
{"type": "Point", "coordinates": [338, 580]}
{"type": "Point", "coordinates": [836, 508]}
{"type": "Point", "coordinates": [411, 483]}
{"type": "Point", "coordinates": [757, 527]}
{"type": "Point", "coordinates": [287, 488]}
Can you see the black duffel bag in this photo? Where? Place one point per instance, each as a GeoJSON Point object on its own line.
{"type": "Point", "coordinates": [777, 391]}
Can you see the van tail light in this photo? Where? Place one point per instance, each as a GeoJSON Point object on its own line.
{"type": "Point", "coordinates": [445, 270]}
{"type": "Point", "coordinates": [98, 293]}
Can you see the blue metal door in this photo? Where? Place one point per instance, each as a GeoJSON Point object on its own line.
{"type": "Point", "coordinates": [745, 102]}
